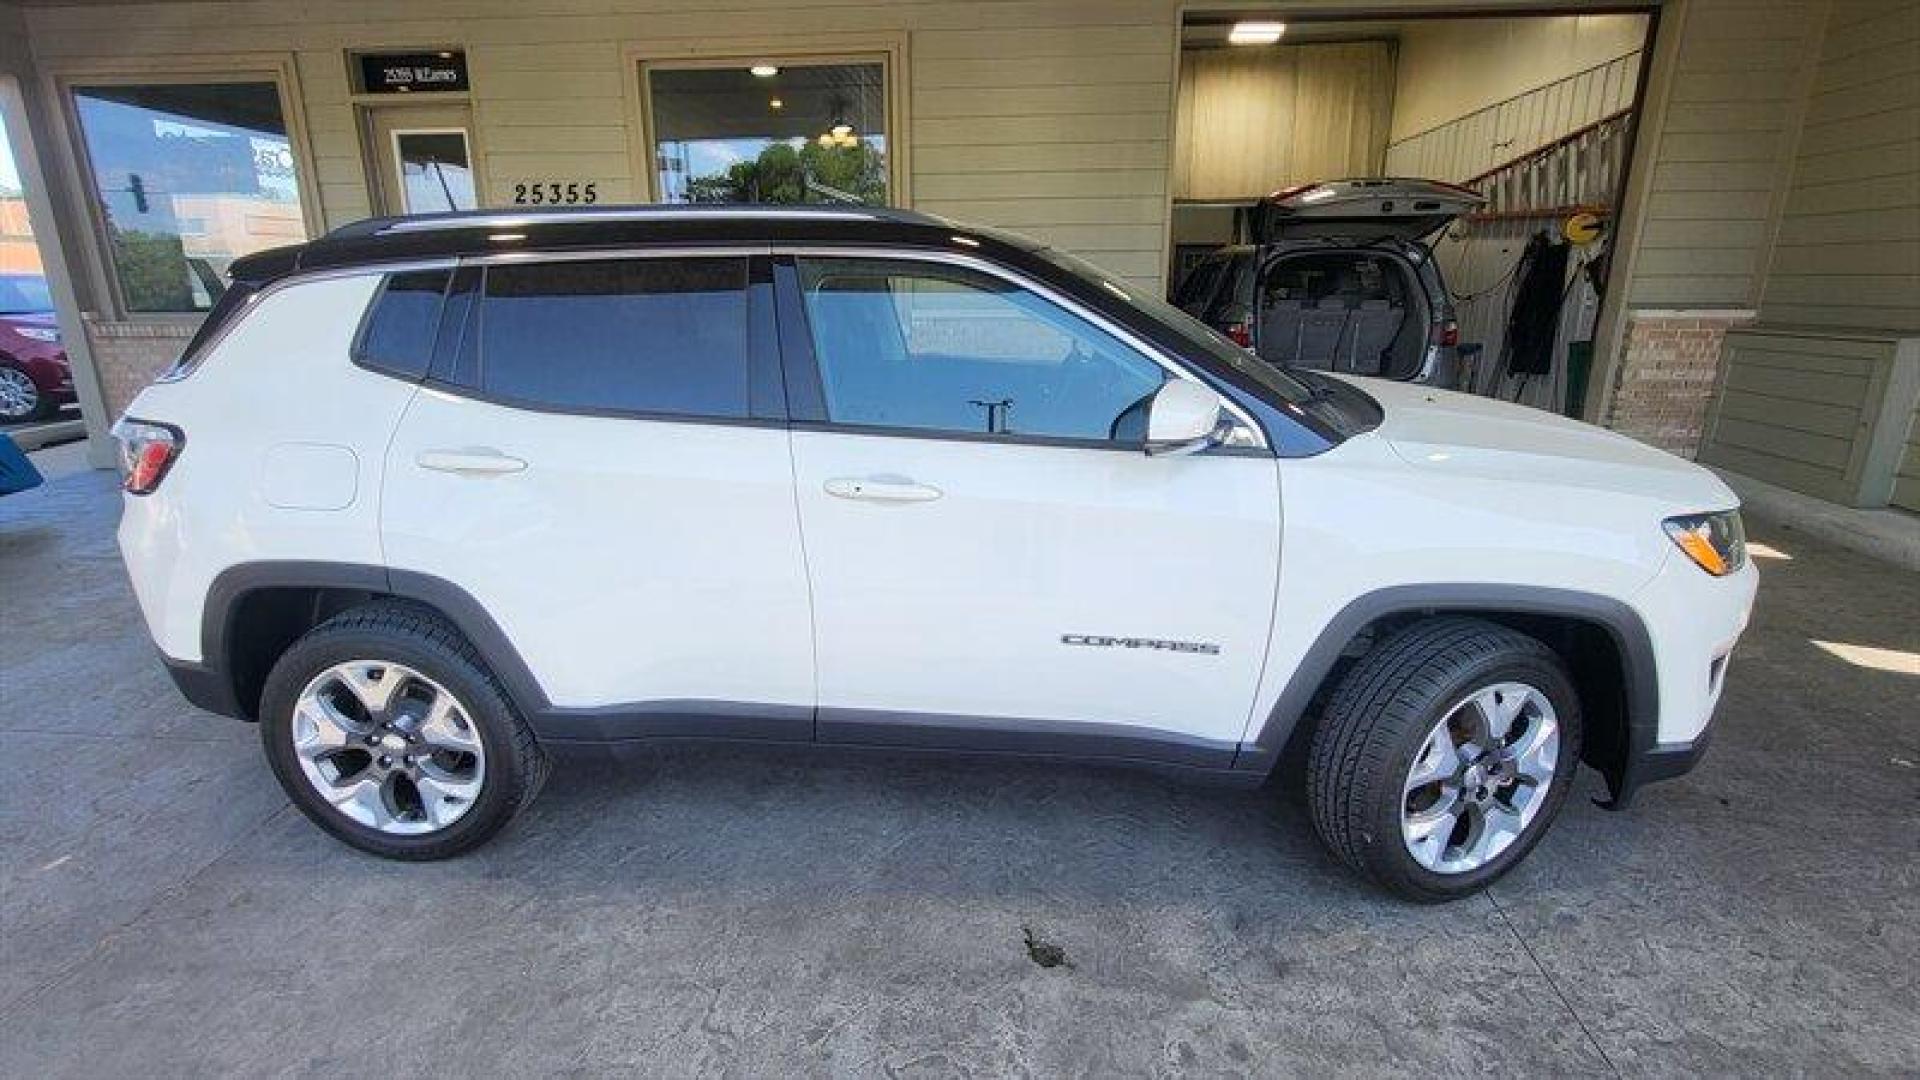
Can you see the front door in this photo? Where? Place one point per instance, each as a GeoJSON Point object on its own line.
{"type": "Point", "coordinates": [421, 158]}
{"type": "Point", "coordinates": [995, 561]}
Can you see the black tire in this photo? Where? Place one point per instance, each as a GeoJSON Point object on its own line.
{"type": "Point", "coordinates": [1379, 717]}
{"type": "Point", "coordinates": [421, 639]}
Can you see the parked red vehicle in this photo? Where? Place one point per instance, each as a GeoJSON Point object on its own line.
{"type": "Point", "coordinates": [35, 379]}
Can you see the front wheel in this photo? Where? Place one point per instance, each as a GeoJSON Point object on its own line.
{"type": "Point", "coordinates": [1443, 755]}
{"type": "Point", "coordinates": [386, 729]}
{"type": "Point", "coordinates": [20, 399]}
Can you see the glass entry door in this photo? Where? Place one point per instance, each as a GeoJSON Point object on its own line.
{"type": "Point", "coordinates": [422, 159]}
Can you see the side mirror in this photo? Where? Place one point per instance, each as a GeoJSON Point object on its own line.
{"type": "Point", "coordinates": [1185, 418]}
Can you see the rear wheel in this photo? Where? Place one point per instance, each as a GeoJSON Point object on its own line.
{"type": "Point", "coordinates": [1443, 756]}
{"type": "Point", "coordinates": [387, 730]}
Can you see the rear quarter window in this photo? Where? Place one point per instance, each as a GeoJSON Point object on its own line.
{"type": "Point", "coordinates": [398, 332]}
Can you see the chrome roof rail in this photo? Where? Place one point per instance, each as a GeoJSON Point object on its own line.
{"type": "Point", "coordinates": [507, 219]}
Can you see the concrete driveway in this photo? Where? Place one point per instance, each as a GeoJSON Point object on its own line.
{"type": "Point", "coordinates": [705, 911]}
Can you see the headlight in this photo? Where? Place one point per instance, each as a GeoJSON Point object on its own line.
{"type": "Point", "coordinates": [1715, 542]}
{"type": "Point", "coordinates": [38, 333]}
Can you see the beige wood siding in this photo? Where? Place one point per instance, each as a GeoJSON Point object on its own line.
{"type": "Point", "coordinates": [1813, 412]}
{"type": "Point", "coordinates": [1848, 253]}
{"type": "Point", "coordinates": [1052, 117]}
{"type": "Point", "coordinates": [1906, 484]}
{"type": "Point", "coordinates": [1250, 121]}
{"type": "Point", "coordinates": [1721, 146]}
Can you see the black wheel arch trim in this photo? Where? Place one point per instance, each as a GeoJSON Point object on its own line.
{"type": "Point", "coordinates": [209, 684]}
{"type": "Point", "coordinates": [1640, 761]}
{"type": "Point", "coordinates": [232, 585]}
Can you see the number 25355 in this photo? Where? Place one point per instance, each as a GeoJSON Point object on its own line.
{"type": "Point", "coordinates": [555, 193]}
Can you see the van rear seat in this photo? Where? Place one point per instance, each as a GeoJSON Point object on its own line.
{"type": "Point", "coordinates": [1370, 331]}
{"type": "Point", "coordinates": [1320, 330]}
{"type": "Point", "coordinates": [1279, 340]}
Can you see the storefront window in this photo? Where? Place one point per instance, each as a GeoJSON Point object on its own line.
{"type": "Point", "coordinates": [190, 176]}
{"type": "Point", "coordinates": [771, 133]}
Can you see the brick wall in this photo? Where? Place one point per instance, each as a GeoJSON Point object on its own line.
{"type": "Point", "coordinates": [1667, 372]}
{"type": "Point", "coordinates": [129, 355]}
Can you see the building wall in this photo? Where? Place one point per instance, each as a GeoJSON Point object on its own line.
{"type": "Point", "coordinates": [1451, 69]}
{"type": "Point", "coordinates": [1470, 145]}
{"type": "Point", "coordinates": [1717, 139]}
{"type": "Point", "coordinates": [1048, 117]}
{"type": "Point", "coordinates": [1249, 121]}
{"type": "Point", "coordinates": [1056, 118]}
{"type": "Point", "coordinates": [1848, 252]}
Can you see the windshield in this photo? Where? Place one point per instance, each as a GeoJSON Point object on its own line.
{"type": "Point", "coordinates": [24, 294]}
{"type": "Point", "coordinates": [1199, 334]}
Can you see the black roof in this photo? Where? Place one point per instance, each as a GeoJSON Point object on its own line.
{"type": "Point", "coordinates": [490, 232]}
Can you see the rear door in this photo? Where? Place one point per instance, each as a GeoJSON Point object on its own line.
{"type": "Point", "coordinates": [600, 460]}
{"type": "Point", "coordinates": [995, 562]}
{"type": "Point", "coordinates": [1353, 212]}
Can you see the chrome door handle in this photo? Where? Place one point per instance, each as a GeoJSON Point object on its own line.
{"type": "Point", "coordinates": [480, 461]}
{"type": "Point", "coordinates": [874, 489]}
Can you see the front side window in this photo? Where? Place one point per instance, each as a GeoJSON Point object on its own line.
{"type": "Point", "coordinates": [770, 133]}
{"type": "Point", "coordinates": [657, 336]}
{"type": "Point", "coordinates": [189, 177]}
{"type": "Point", "coordinates": [934, 347]}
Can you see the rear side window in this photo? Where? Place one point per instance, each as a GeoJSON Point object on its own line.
{"type": "Point", "coordinates": [398, 334]}
{"type": "Point", "coordinates": [651, 335]}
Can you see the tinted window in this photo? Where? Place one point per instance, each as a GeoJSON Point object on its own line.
{"type": "Point", "coordinates": [919, 345]}
{"type": "Point", "coordinates": [634, 335]}
{"type": "Point", "coordinates": [399, 331]}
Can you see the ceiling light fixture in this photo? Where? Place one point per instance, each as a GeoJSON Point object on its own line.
{"type": "Point", "coordinates": [1255, 33]}
{"type": "Point", "coordinates": [764, 71]}
{"type": "Point", "coordinates": [776, 103]}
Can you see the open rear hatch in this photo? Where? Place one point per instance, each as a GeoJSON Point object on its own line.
{"type": "Point", "coordinates": [1361, 211]}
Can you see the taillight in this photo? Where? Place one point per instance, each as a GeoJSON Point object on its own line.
{"type": "Point", "coordinates": [1448, 334]}
{"type": "Point", "coordinates": [147, 451]}
{"type": "Point", "coordinates": [1240, 333]}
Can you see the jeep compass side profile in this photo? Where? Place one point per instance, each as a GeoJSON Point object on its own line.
{"type": "Point", "coordinates": [432, 498]}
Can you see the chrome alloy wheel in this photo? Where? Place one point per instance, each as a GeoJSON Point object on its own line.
{"type": "Point", "coordinates": [388, 747]}
{"type": "Point", "coordinates": [18, 396]}
{"type": "Point", "coordinates": [1480, 778]}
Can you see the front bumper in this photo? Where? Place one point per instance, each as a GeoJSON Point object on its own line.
{"type": "Point", "coordinates": [1693, 621]}
{"type": "Point", "coordinates": [1648, 764]}
{"type": "Point", "coordinates": [203, 687]}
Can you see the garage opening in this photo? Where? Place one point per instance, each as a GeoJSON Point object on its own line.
{"type": "Point", "coordinates": [1426, 199]}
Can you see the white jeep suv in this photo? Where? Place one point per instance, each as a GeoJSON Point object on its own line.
{"type": "Point", "coordinates": [434, 498]}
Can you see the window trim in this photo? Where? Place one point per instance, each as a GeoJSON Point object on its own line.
{"type": "Point", "coordinates": [889, 50]}
{"type": "Point", "coordinates": [803, 367]}
{"type": "Point", "coordinates": [762, 352]}
{"type": "Point", "coordinates": [62, 79]}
